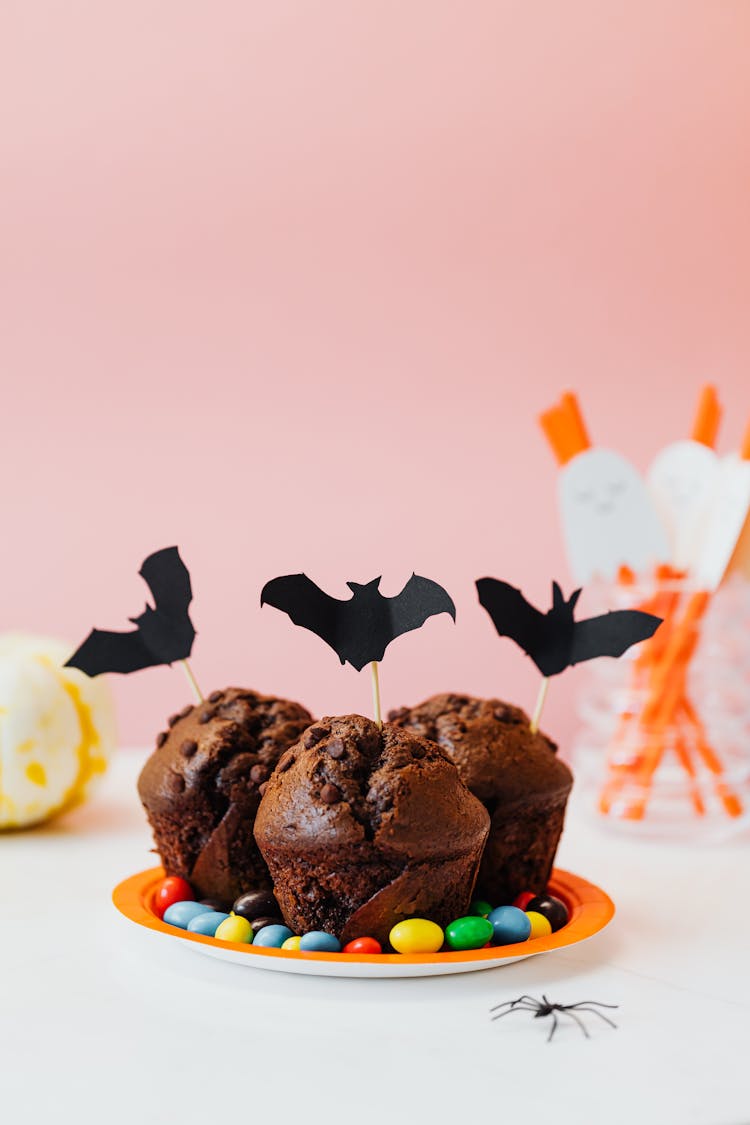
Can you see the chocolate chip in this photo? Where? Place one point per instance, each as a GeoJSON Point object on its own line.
{"type": "Point", "coordinates": [336, 749]}
{"type": "Point", "coordinates": [502, 714]}
{"type": "Point", "coordinates": [188, 748]}
{"type": "Point", "coordinates": [314, 735]}
{"type": "Point", "coordinates": [172, 720]}
{"type": "Point", "coordinates": [215, 696]}
{"type": "Point", "coordinates": [262, 788]}
{"type": "Point", "coordinates": [285, 761]}
{"type": "Point", "coordinates": [330, 794]}
{"type": "Point", "coordinates": [186, 710]}
{"type": "Point", "coordinates": [161, 738]}
{"type": "Point", "coordinates": [417, 751]}
{"type": "Point", "coordinates": [259, 773]}
{"type": "Point", "coordinates": [176, 783]}
{"type": "Point", "coordinates": [207, 715]}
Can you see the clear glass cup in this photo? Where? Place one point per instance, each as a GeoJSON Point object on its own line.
{"type": "Point", "coordinates": [664, 745]}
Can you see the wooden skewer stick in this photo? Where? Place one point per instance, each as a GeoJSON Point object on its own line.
{"type": "Point", "coordinates": [376, 694]}
{"type": "Point", "coordinates": [539, 706]}
{"type": "Point", "coordinates": [192, 681]}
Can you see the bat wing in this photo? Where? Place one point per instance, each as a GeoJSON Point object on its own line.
{"type": "Point", "coordinates": [514, 617]}
{"type": "Point", "coordinates": [111, 652]}
{"type": "Point", "coordinates": [168, 579]}
{"type": "Point", "coordinates": [611, 634]}
{"type": "Point", "coordinates": [420, 599]}
{"type": "Point", "coordinates": [308, 606]}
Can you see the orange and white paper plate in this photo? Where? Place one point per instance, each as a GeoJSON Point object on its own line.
{"type": "Point", "coordinates": [589, 909]}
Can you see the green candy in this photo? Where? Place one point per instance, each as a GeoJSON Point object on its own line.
{"type": "Point", "coordinates": [480, 907]}
{"type": "Point", "coordinates": [468, 933]}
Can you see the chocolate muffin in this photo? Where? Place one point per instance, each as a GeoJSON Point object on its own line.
{"type": "Point", "coordinates": [362, 827]}
{"type": "Point", "coordinates": [514, 773]}
{"type": "Point", "coordinates": [201, 788]}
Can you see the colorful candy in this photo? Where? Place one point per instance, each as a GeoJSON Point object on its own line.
{"type": "Point", "coordinates": [208, 923]}
{"type": "Point", "coordinates": [480, 907]}
{"type": "Point", "coordinates": [181, 913]}
{"type": "Point", "coordinates": [521, 900]}
{"type": "Point", "coordinates": [364, 946]}
{"type": "Point", "coordinates": [256, 904]}
{"type": "Point", "coordinates": [170, 890]}
{"type": "Point", "coordinates": [318, 941]}
{"type": "Point", "coordinates": [216, 904]}
{"type": "Point", "coordinates": [235, 928]}
{"type": "Point", "coordinates": [271, 937]}
{"type": "Point", "coordinates": [471, 932]}
{"type": "Point", "coordinates": [416, 935]}
{"type": "Point", "coordinates": [261, 923]}
{"type": "Point", "coordinates": [554, 911]}
{"type": "Point", "coordinates": [510, 925]}
{"type": "Point", "coordinates": [292, 943]}
{"type": "Point", "coordinates": [540, 926]}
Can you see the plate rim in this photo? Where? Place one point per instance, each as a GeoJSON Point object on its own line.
{"type": "Point", "coordinates": [590, 909]}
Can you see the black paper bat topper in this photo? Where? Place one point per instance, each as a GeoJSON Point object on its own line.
{"type": "Point", "coordinates": [360, 628]}
{"type": "Point", "coordinates": [164, 633]}
{"type": "Point", "coordinates": [555, 640]}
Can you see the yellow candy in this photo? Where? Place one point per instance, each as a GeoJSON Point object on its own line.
{"type": "Point", "coordinates": [416, 935]}
{"type": "Point", "coordinates": [291, 942]}
{"type": "Point", "coordinates": [235, 928]}
{"type": "Point", "coordinates": [540, 926]}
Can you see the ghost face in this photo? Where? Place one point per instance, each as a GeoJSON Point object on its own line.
{"type": "Point", "coordinates": [681, 480]}
{"type": "Point", "coordinates": [608, 517]}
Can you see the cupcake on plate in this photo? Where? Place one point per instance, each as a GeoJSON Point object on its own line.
{"type": "Point", "coordinates": [517, 776]}
{"type": "Point", "coordinates": [362, 827]}
{"type": "Point", "coordinates": [202, 786]}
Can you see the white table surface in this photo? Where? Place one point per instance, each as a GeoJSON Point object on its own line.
{"type": "Point", "coordinates": [103, 1022]}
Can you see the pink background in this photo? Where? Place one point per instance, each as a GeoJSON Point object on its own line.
{"type": "Point", "coordinates": [288, 283]}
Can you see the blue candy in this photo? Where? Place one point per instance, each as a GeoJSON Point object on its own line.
{"type": "Point", "coordinates": [510, 925]}
{"type": "Point", "coordinates": [318, 941]}
{"type": "Point", "coordinates": [181, 913]}
{"type": "Point", "coordinates": [206, 923]}
{"type": "Point", "coordinates": [272, 937]}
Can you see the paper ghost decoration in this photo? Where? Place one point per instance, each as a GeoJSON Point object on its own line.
{"type": "Point", "coordinates": [608, 517]}
{"type": "Point", "coordinates": [682, 479]}
{"type": "Point", "coordinates": [726, 515]}
{"type": "Point", "coordinates": [360, 628]}
{"type": "Point", "coordinates": [555, 640]}
{"type": "Point", "coordinates": [163, 633]}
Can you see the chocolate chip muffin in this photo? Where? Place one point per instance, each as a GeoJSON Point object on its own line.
{"type": "Point", "coordinates": [362, 827]}
{"type": "Point", "coordinates": [514, 773]}
{"type": "Point", "coordinates": [202, 786]}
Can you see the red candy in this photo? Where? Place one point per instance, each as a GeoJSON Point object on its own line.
{"type": "Point", "coordinates": [170, 890]}
{"type": "Point", "coordinates": [522, 900]}
{"type": "Point", "coordinates": [365, 946]}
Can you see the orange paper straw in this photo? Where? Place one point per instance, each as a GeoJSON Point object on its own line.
{"type": "Point", "coordinates": [707, 417]}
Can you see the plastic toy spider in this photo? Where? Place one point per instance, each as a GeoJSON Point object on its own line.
{"type": "Point", "coordinates": [545, 1007]}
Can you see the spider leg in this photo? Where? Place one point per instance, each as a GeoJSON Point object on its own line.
{"type": "Point", "coordinates": [513, 1003]}
{"type": "Point", "coordinates": [553, 1029]}
{"type": "Point", "coordinates": [580, 1022]}
{"type": "Point", "coordinates": [511, 1011]}
{"type": "Point", "coordinates": [594, 1012]}
{"type": "Point", "coordinates": [595, 1003]}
